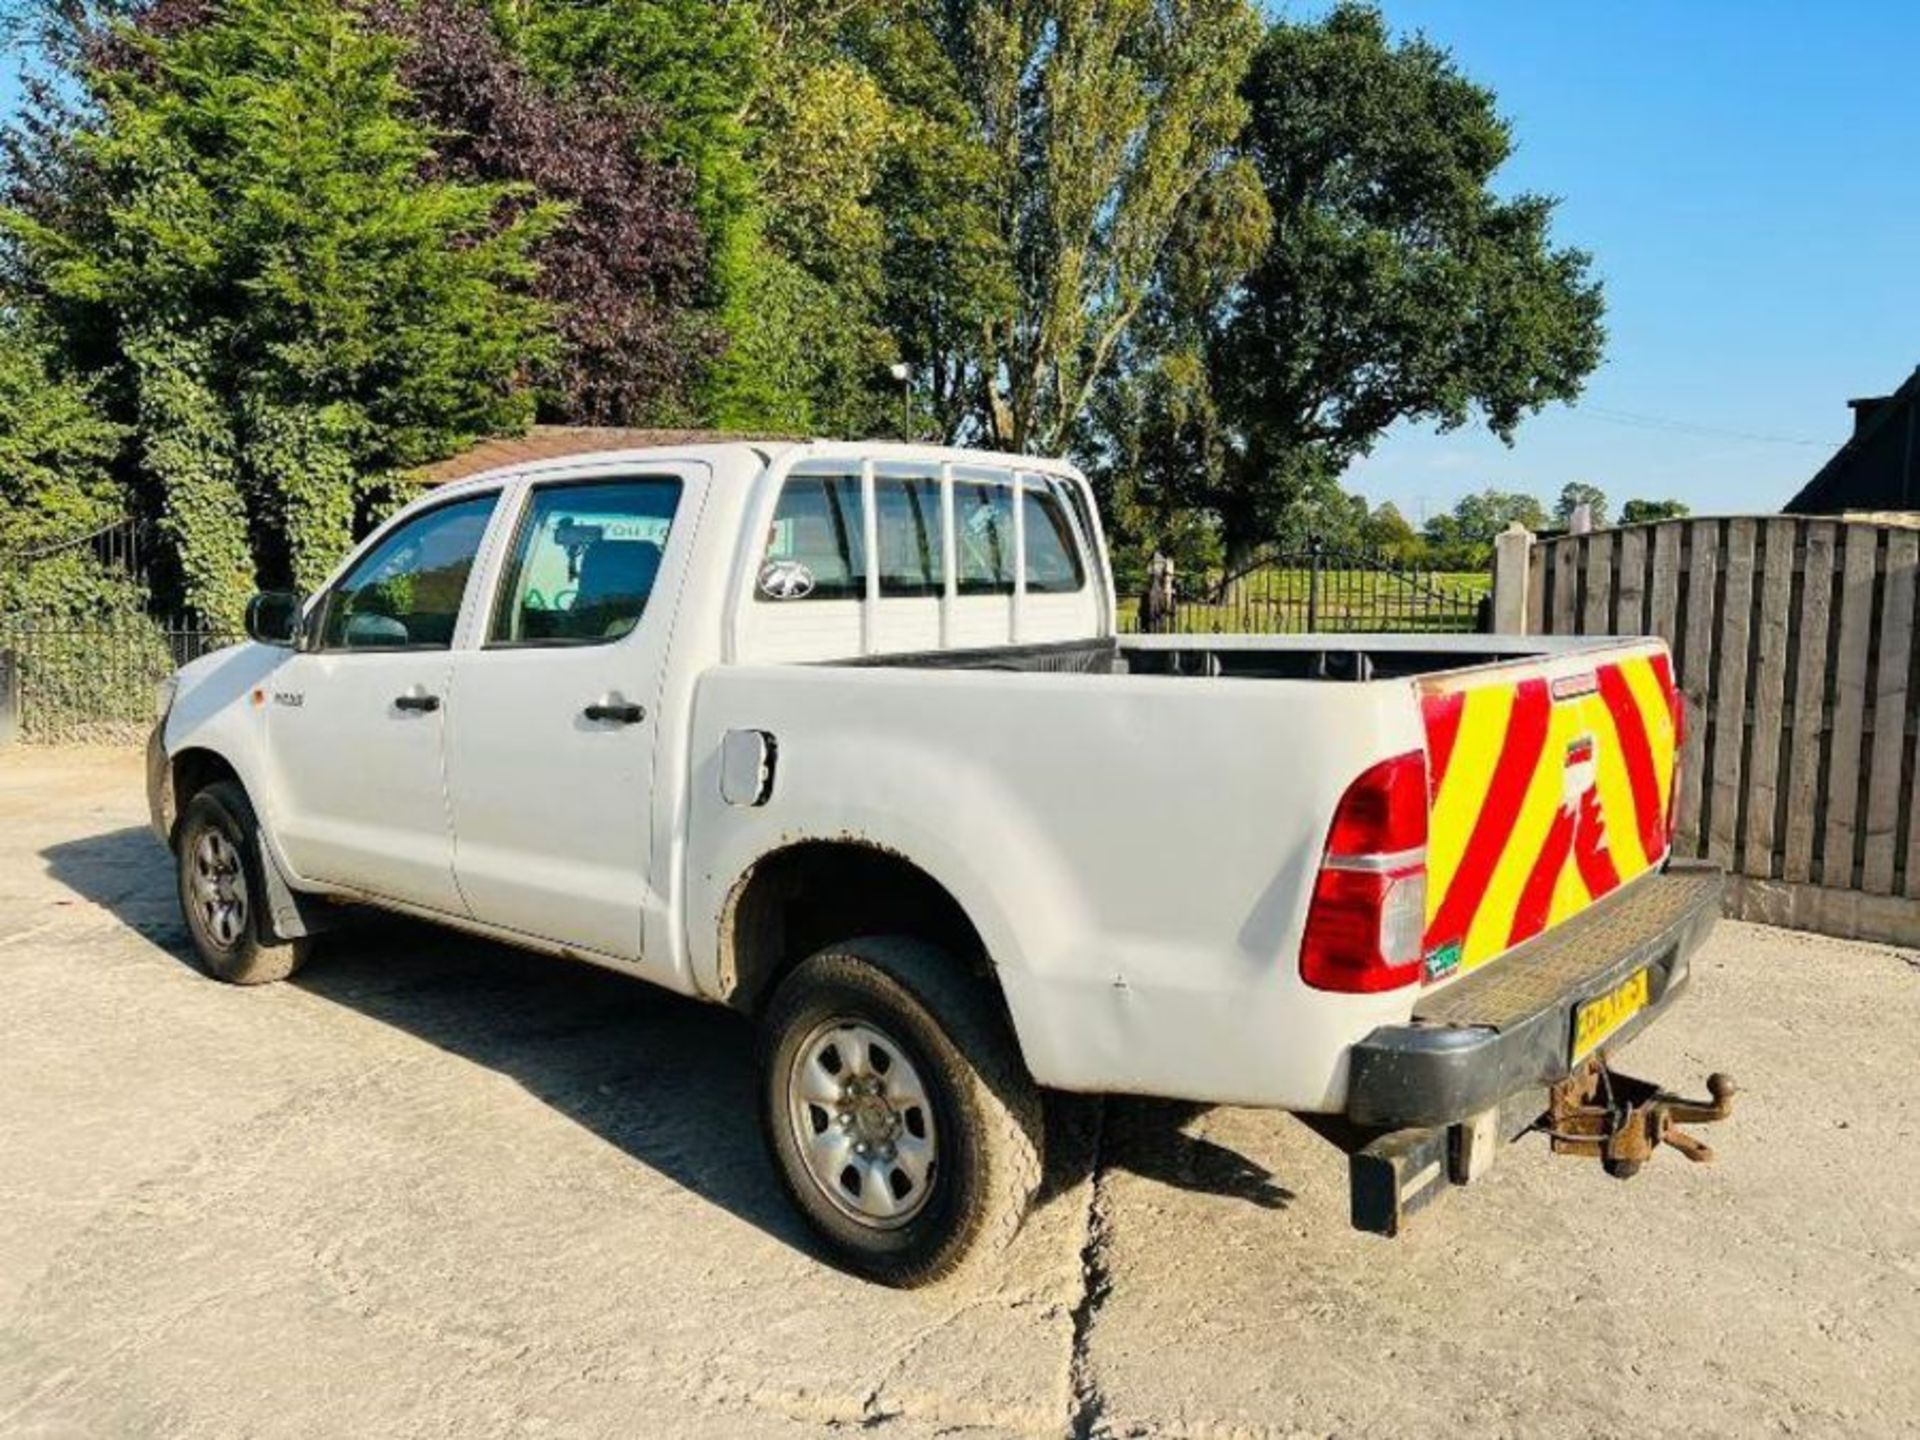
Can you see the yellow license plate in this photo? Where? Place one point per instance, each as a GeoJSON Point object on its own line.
{"type": "Point", "coordinates": [1601, 1016]}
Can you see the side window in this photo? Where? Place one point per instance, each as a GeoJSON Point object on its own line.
{"type": "Point", "coordinates": [404, 594]}
{"type": "Point", "coordinates": [1053, 559]}
{"type": "Point", "coordinates": [983, 537]}
{"type": "Point", "coordinates": [817, 548]}
{"type": "Point", "coordinates": [584, 561]}
{"type": "Point", "coordinates": [908, 521]}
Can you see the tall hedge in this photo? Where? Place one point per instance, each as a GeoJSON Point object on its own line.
{"type": "Point", "coordinates": [286, 306]}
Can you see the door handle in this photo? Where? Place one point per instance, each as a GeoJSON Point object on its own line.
{"type": "Point", "coordinates": [619, 714]}
{"type": "Point", "coordinates": [423, 703]}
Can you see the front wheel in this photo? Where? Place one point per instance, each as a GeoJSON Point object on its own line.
{"type": "Point", "coordinates": [905, 1127]}
{"type": "Point", "coordinates": [222, 890]}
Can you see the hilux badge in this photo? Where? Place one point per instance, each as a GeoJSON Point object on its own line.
{"type": "Point", "coordinates": [785, 580]}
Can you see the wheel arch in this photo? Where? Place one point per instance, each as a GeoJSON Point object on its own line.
{"type": "Point", "coordinates": [805, 895]}
{"type": "Point", "coordinates": [190, 770]}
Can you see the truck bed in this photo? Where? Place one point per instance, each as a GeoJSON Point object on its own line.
{"type": "Point", "coordinates": [1358, 656]}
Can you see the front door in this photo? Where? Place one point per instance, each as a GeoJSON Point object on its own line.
{"type": "Point", "coordinates": [356, 721]}
{"type": "Point", "coordinates": [552, 718]}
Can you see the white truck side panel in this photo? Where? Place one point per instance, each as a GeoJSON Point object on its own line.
{"type": "Point", "coordinates": [1137, 853]}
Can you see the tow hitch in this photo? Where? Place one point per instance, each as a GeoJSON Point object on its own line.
{"type": "Point", "coordinates": [1621, 1120]}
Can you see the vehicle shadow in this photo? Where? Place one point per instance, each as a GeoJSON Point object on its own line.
{"type": "Point", "coordinates": [1151, 1139]}
{"type": "Point", "coordinates": [667, 1080]}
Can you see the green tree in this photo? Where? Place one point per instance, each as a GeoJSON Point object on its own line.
{"type": "Point", "coordinates": [690, 63]}
{"type": "Point", "coordinates": [697, 69]}
{"type": "Point", "coordinates": [1387, 532]}
{"type": "Point", "coordinates": [1636, 512]}
{"type": "Point", "coordinates": [286, 306]}
{"type": "Point", "coordinates": [1105, 127]}
{"type": "Point", "coordinates": [991, 194]}
{"type": "Point", "coordinates": [808, 350]}
{"type": "Point", "coordinates": [1397, 284]}
{"type": "Point", "coordinates": [1573, 495]}
{"type": "Point", "coordinates": [1462, 539]}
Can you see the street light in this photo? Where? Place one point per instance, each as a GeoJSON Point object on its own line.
{"type": "Point", "coordinates": [903, 372]}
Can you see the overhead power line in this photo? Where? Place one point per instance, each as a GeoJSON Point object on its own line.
{"type": "Point", "coordinates": [1673, 426]}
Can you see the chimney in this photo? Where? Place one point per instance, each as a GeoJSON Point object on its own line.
{"type": "Point", "coordinates": [1865, 410]}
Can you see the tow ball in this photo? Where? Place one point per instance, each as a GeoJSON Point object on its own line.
{"type": "Point", "coordinates": [1621, 1120]}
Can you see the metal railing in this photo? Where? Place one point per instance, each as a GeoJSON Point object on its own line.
{"type": "Point", "coordinates": [91, 682]}
{"type": "Point", "coordinates": [1310, 588]}
{"type": "Point", "coordinates": [88, 677]}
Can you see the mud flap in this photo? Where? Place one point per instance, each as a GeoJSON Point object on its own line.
{"type": "Point", "coordinates": [288, 914]}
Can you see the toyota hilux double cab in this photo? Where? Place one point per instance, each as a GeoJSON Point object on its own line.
{"type": "Point", "coordinates": [845, 737]}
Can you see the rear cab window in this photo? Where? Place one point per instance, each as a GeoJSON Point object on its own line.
{"type": "Point", "coordinates": [921, 556]}
{"type": "Point", "coordinates": [907, 525]}
{"type": "Point", "coordinates": [816, 549]}
{"type": "Point", "coordinates": [1053, 561]}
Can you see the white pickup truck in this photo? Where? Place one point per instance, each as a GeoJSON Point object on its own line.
{"type": "Point", "coordinates": [844, 737]}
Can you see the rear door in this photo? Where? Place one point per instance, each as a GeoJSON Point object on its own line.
{"type": "Point", "coordinates": [1550, 782]}
{"type": "Point", "coordinates": [552, 719]}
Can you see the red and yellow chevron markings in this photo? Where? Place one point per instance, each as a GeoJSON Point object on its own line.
{"type": "Point", "coordinates": [1546, 794]}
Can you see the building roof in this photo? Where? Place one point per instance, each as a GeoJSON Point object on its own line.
{"type": "Point", "coordinates": [557, 442]}
{"type": "Point", "coordinates": [1878, 469]}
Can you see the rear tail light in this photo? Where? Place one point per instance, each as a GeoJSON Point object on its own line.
{"type": "Point", "coordinates": [1368, 915]}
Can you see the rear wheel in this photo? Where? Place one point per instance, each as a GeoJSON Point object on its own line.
{"type": "Point", "coordinates": [905, 1127]}
{"type": "Point", "coordinates": [222, 890]}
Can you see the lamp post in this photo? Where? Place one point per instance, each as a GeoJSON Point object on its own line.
{"type": "Point", "coordinates": [903, 372]}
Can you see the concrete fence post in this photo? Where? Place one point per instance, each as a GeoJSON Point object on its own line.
{"type": "Point", "coordinates": [1512, 554]}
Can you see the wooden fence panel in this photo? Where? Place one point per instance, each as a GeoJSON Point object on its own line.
{"type": "Point", "coordinates": [1808, 720]}
{"type": "Point", "coordinates": [1891, 680]}
{"type": "Point", "coordinates": [1730, 704]}
{"type": "Point", "coordinates": [1779, 540]}
{"type": "Point", "coordinates": [1850, 650]}
{"type": "Point", "coordinates": [1566, 576]}
{"type": "Point", "coordinates": [1630, 601]}
{"type": "Point", "coordinates": [1797, 646]}
{"type": "Point", "coordinates": [1663, 594]}
{"type": "Point", "coordinates": [1696, 679]}
{"type": "Point", "coordinates": [1599, 567]}
{"type": "Point", "coordinates": [1537, 589]}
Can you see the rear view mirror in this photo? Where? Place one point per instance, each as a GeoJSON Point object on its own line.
{"type": "Point", "coordinates": [273, 618]}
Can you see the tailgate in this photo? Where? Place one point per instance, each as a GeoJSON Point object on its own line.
{"type": "Point", "coordinates": [1550, 782]}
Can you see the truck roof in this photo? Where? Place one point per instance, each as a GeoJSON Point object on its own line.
{"type": "Point", "coordinates": [562, 442]}
{"type": "Point", "coordinates": [556, 443]}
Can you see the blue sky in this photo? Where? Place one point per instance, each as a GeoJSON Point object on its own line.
{"type": "Point", "coordinates": [1748, 181]}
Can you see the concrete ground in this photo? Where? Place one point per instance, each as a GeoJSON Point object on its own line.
{"type": "Point", "coordinates": [438, 1188]}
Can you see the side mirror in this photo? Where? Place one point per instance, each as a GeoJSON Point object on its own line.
{"type": "Point", "coordinates": [273, 618]}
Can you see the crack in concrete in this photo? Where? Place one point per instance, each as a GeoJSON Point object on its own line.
{"type": "Point", "coordinates": [1086, 1404]}
{"type": "Point", "coordinates": [872, 1412]}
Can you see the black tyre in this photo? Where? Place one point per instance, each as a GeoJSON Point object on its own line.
{"type": "Point", "coordinates": [903, 1122]}
{"type": "Point", "coordinates": [222, 894]}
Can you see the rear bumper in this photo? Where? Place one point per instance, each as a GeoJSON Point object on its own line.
{"type": "Point", "coordinates": [1509, 1027]}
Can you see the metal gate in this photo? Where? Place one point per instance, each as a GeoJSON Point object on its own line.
{"type": "Point", "coordinates": [86, 675]}
{"type": "Point", "coordinates": [1311, 588]}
